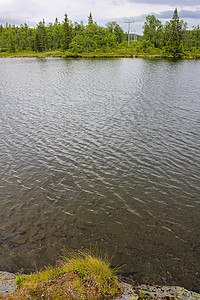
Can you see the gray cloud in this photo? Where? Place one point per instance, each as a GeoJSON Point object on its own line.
{"type": "Point", "coordinates": [191, 17]}
{"type": "Point", "coordinates": [32, 11]}
{"type": "Point", "coordinates": [187, 14]}
{"type": "Point", "coordinates": [169, 2]}
{"type": "Point", "coordinates": [183, 14]}
{"type": "Point", "coordinates": [17, 21]}
{"type": "Point", "coordinates": [20, 12]}
{"type": "Point", "coordinates": [165, 15]}
{"type": "Point", "coordinates": [168, 14]}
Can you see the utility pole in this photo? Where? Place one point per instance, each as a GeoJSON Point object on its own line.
{"type": "Point", "coordinates": [129, 26]}
{"type": "Point", "coordinates": [135, 36]}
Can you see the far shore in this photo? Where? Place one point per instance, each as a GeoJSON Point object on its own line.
{"type": "Point", "coordinates": [59, 54]}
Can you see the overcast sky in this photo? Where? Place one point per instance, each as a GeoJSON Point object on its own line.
{"type": "Point", "coordinates": [32, 11]}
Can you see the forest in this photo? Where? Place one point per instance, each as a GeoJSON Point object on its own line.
{"type": "Point", "coordinates": [173, 39]}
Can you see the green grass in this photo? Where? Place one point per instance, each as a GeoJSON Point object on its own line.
{"type": "Point", "coordinates": [123, 50]}
{"type": "Point", "coordinates": [79, 275]}
{"type": "Point", "coordinates": [32, 54]}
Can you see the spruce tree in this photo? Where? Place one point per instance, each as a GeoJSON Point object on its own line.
{"type": "Point", "coordinates": [174, 46]}
{"type": "Point", "coordinates": [56, 23]}
{"type": "Point", "coordinates": [40, 37]}
{"type": "Point", "coordinates": [11, 45]}
{"type": "Point", "coordinates": [66, 34]}
{"type": "Point", "coordinates": [196, 31]}
{"type": "Point", "coordinates": [90, 19]}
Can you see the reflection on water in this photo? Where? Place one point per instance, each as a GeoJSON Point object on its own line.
{"type": "Point", "coordinates": [106, 152]}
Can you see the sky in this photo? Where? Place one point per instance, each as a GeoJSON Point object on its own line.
{"type": "Point", "coordinates": [103, 11]}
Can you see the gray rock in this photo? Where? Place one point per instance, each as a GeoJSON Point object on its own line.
{"type": "Point", "coordinates": [128, 292]}
{"type": "Point", "coordinates": [6, 282]}
{"type": "Point", "coordinates": [163, 292]}
{"type": "Point", "coordinates": [176, 292]}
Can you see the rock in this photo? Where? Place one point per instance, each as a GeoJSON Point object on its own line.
{"type": "Point", "coordinates": [6, 282]}
{"type": "Point", "coordinates": [175, 292]}
{"type": "Point", "coordinates": [128, 292]}
{"type": "Point", "coordinates": [162, 292]}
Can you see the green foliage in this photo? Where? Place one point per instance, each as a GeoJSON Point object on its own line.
{"type": "Point", "coordinates": [41, 37]}
{"type": "Point", "coordinates": [146, 46]}
{"type": "Point", "coordinates": [18, 280]}
{"type": "Point", "coordinates": [173, 39]}
{"type": "Point", "coordinates": [11, 45]}
{"type": "Point", "coordinates": [196, 39]}
{"type": "Point", "coordinates": [114, 29]}
{"type": "Point", "coordinates": [66, 39]}
{"type": "Point", "coordinates": [80, 275]}
{"type": "Point", "coordinates": [66, 34]}
{"type": "Point", "coordinates": [89, 266]}
{"type": "Point", "coordinates": [175, 42]}
{"type": "Point", "coordinates": [91, 38]}
{"type": "Point", "coordinates": [153, 31]}
{"type": "Point", "coordinates": [90, 19]}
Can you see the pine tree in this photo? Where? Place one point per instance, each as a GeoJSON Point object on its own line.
{"type": "Point", "coordinates": [66, 34]}
{"type": "Point", "coordinates": [40, 38]}
{"type": "Point", "coordinates": [56, 23]}
{"type": "Point", "coordinates": [36, 42]}
{"type": "Point", "coordinates": [11, 45]}
{"type": "Point", "coordinates": [196, 31]}
{"type": "Point", "coordinates": [175, 42]}
{"type": "Point", "coordinates": [56, 34]}
{"type": "Point", "coordinates": [90, 19]}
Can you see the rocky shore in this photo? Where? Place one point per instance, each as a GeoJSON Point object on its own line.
{"type": "Point", "coordinates": [160, 292]}
{"type": "Point", "coordinates": [129, 292]}
{"type": "Point", "coordinates": [6, 283]}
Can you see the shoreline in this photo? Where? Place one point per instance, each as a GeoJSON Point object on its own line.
{"type": "Point", "coordinates": [130, 292]}
{"type": "Point", "coordinates": [90, 55]}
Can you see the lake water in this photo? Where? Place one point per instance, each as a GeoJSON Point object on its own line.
{"type": "Point", "coordinates": [106, 153]}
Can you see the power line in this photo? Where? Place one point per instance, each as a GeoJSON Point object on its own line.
{"type": "Point", "coordinates": [120, 8]}
{"type": "Point", "coordinates": [131, 7]}
{"type": "Point", "coordinates": [129, 27]}
{"type": "Point", "coordinates": [123, 10]}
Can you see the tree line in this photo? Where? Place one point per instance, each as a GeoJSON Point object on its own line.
{"type": "Point", "coordinates": [64, 36]}
{"type": "Point", "coordinates": [171, 39]}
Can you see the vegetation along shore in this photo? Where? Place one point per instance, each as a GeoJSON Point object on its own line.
{"type": "Point", "coordinates": [68, 39]}
{"type": "Point", "coordinates": [82, 275]}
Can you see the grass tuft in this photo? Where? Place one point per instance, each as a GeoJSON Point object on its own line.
{"type": "Point", "coordinates": [93, 270]}
{"type": "Point", "coordinates": [80, 275]}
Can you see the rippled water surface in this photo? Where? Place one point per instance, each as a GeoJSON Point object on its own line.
{"type": "Point", "coordinates": [102, 152]}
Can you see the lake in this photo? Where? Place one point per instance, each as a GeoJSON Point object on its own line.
{"type": "Point", "coordinates": [102, 153]}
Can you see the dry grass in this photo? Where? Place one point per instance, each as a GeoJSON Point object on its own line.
{"type": "Point", "coordinates": [79, 275]}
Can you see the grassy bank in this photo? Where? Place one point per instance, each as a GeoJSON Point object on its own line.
{"type": "Point", "coordinates": [87, 276]}
{"type": "Point", "coordinates": [78, 276]}
{"type": "Point", "coordinates": [32, 54]}
{"type": "Point", "coordinates": [135, 50]}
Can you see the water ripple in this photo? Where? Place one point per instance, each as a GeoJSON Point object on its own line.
{"type": "Point", "coordinates": [102, 151]}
